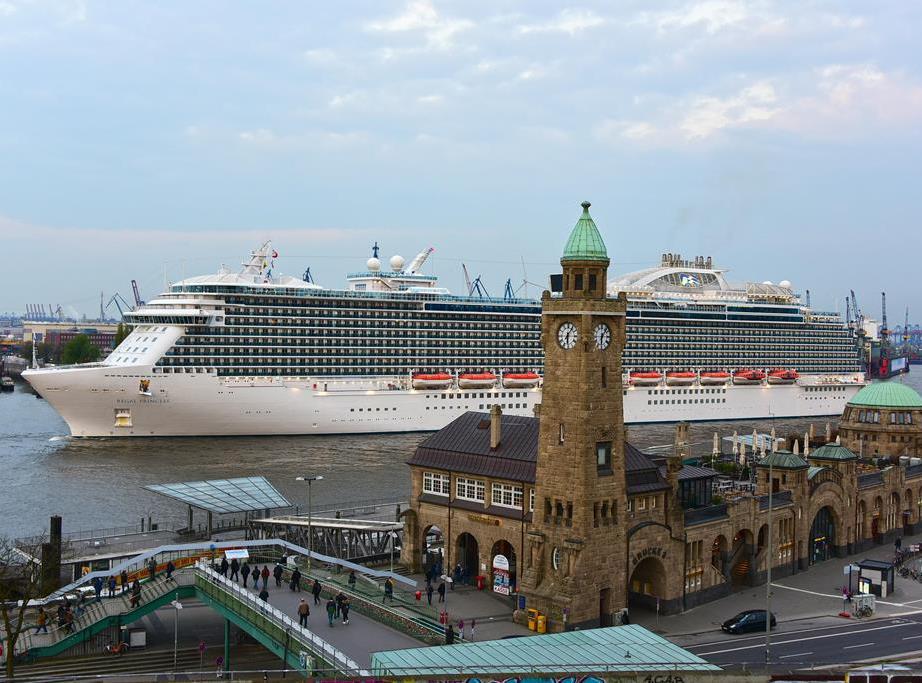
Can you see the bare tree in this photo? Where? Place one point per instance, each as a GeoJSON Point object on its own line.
{"type": "Point", "coordinates": [22, 581]}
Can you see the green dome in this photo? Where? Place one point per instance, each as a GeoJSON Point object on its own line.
{"type": "Point", "coordinates": [832, 451]}
{"type": "Point", "coordinates": [783, 460]}
{"type": "Point", "coordinates": [585, 243]}
{"type": "Point", "coordinates": [887, 395]}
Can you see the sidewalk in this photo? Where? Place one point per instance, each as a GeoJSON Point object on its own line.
{"type": "Point", "coordinates": [814, 595]}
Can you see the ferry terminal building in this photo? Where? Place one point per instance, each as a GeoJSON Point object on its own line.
{"type": "Point", "coordinates": [563, 510]}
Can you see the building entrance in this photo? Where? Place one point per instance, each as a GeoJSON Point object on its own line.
{"type": "Point", "coordinates": [822, 536]}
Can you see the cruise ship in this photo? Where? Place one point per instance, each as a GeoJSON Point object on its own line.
{"type": "Point", "coordinates": [248, 352]}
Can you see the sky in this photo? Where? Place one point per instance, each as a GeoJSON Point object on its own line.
{"type": "Point", "coordinates": [155, 140]}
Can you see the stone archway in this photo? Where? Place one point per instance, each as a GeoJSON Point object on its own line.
{"type": "Point", "coordinates": [822, 535]}
{"type": "Point", "coordinates": [503, 553]}
{"type": "Point", "coordinates": [741, 554]}
{"type": "Point", "coordinates": [432, 551]}
{"type": "Point", "coordinates": [467, 559]}
{"type": "Point", "coordinates": [647, 585]}
{"type": "Point", "coordinates": [877, 520]}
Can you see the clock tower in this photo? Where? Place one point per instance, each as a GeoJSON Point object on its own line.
{"type": "Point", "coordinates": [571, 574]}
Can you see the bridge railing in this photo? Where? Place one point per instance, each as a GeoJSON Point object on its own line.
{"type": "Point", "coordinates": [270, 620]}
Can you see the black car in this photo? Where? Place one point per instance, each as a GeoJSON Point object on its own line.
{"type": "Point", "coordinates": [751, 620]}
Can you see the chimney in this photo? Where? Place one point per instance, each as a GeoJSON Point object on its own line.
{"type": "Point", "coordinates": [496, 425]}
{"type": "Point", "coordinates": [681, 440]}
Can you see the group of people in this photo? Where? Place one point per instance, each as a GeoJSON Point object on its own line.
{"type": "Point", "coordinates": [450, 634]}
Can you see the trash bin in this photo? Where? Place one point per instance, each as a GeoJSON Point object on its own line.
{"type": "Point", "coordinates": [481, 581]}
{"type": "Point", "coordinates": [532, 619]}
{"type": "Point", "coordinates": [542, 623]}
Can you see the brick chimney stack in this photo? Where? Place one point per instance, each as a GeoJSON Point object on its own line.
{"type": "Point", "coordinates": [496, 426]}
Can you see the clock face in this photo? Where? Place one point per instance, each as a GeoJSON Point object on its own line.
{"type": "Point", "coordinates": [602, 336]}
{"type": "Point", "coordinates": [567, 335]}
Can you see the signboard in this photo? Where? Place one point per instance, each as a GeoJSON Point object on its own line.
{"type": "Point", "coordinates": [501, 582]}
{"type": "Point", "coordinates": [238, 554]}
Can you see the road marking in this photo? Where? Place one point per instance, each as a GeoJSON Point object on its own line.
{"type": "Point", "coordinates": [833, 595]}
{"type": "Point", "coordinates": [912, 637]}
{"type": "Point", "coordinates": [800, 654]}
{"type": "Point", "coordinates": [849, 647]}
{"type": "Point", "coordinates": [781, 634]}
{"type": "Point", "coordinates": [798, 640]}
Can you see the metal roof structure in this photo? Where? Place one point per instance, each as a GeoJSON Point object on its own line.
{"type": "Point", "coordinates": [887, 395]}
{"type": "Point", "coordinates": [783, 460]}
{"type": "Point", "coordinates": [222, 496]}
{"type": "Point", "coordinates": [617, 648]}
{"type": "Point", "coordinates": [585, 242]}
{"type": "Point", "coordinates": [832, 451]}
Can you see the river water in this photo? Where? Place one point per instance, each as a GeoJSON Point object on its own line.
{"type": "Point", "coordinates": [97, 483]}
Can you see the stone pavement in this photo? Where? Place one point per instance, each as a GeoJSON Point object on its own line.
{"type": "Point", "coordinates": [814, 596]}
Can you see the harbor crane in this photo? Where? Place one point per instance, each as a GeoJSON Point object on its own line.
{"type": "Point", "coordinates": [137, 294]}
{"type": "Point", "coordinates": [906, 345]}
{"type": "Point", "coordinates": [859, 317]}
{"type": "Point", "coordinates": [467, 280]}
{"type": "Point", "coordinates": [477, 286]}
{"type": "Point", "coordinates": [307, 277]}
{"type": "Point", "coordinates": [119, 300]}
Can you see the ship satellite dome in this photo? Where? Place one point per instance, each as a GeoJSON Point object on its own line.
{"type": "Point", "coordinates": [785, 283]}
{"type": "Point", "coordinates": [767, 282]}
{"type": "Point", "coordinates": [373, 264]}
{"type": "Point", "coordinates": [397, 262]}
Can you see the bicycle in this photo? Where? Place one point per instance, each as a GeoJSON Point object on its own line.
{"type": "Point", "coordinates": [863, 611]}
{"type": "Point", "coordinates": [118, 649]}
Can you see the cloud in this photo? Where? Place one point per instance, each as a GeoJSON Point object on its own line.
{"type": "Point", "coordinates": [707, 115]}
{"type": "Point", "coordinates": [421, 16]}
{"type": "Point", "coordinates": [430, 99]}
{"type": "Point", "coordinates": [570, 21]}
{"type": "Point", "coordinates": [713, 16]}
{"type": "Point", "coordinates": [7, 9]}
{"type": "Point", "coordinates": [260, 136]}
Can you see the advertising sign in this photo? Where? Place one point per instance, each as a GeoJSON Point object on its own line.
{"type": "Point", "coordinates": [501, 575]}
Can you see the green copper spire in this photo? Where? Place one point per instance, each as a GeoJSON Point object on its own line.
{"type": "Point", "coordinates": [585, 243]}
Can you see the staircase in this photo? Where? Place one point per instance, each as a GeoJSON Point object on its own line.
{"type": "Point", "coordinates": [740, 572]}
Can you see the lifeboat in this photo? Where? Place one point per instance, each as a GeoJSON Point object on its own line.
{"type": "Point", "coordinates": [477, 380]}
{"type": "Point", "coordinates": [782, 376]}
{"type": "Point", "coordinates": [645, 379]}
{"type": "Point", "coordinates": [680, 379]}
{"type": "Point", "coordinates": [714, 378]}
{"type": "Point", "coordinates": [746, 376]}
{"type": "Point", "coordinates": [521, 380]}
{"type": "Point", "coordinates": [435, 380]}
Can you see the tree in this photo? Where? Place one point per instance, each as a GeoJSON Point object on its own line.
{"type": "Point", "coordinates": [79, 350]}
{"type": "Point", "coordinates": [21, 581]}
{"type": "Point", "coordinates": [121, 332]}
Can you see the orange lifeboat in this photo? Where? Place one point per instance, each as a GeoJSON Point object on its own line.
{"type": "Point", "coordinates": [645, 379]}
{"type": "Point", "coordinates": [782, 376]}
{"type": "Point", "coordinates": [681, 379]}
{"type": "Point", "coordinates": [747, 376]}
{"type": "Point", "coordinates": [435, 380]}
{"type": "Point", "coordinates": [714, 378]}
{"type": "Point", "coordinates": [477, 380]}
{"type": "Point", "coordinates": [521, 380]}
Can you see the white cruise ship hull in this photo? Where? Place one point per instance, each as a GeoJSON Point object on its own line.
{"type": "Point", "coordinates": [94, 399]}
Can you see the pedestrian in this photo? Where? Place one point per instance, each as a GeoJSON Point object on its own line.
{"type": "Point", "coordinates": [256, 576]}
{"type": "Point", "coordinates": [295, 583]}
{"type": "Point", "coordinates": [123, 578]}
{"type": "Point", "coordinates": [68, 620]}
{"type": "Point", "coordinates": [352, 579]}
{"type": "Point", "coordinates": [344, 609]}
{"type": "Point", "coordinates": [461, 629]}
{"type": "Point", "coordinates": [442, 591]}
{"type": "Point", "coordinates": [136, 593]}
{"type": "Point", "coordinates": [473, 624]}
{"type": "Point", "coordinates": [315, 590]}
{"type": "Point", "coordinates": [388, 590]}
{"type": "Point", "coordinates": [152, 568]}
{"type": "Point", "coordinates": [81, 604]}
{"type": "Point", "coordinates": [449, 635]}
{"type": "Point", "coordinates": [97, 587]}
{"type": "Point", "coordinates": [264, 594]}
{"type": "Point", "coordinates": [245, 573]}
{"type": "Point", "coordinates": [304, 611]}
{"type": "Point", "coordinates": [42, 621]}
{"type": "Point", "coordinates": [844, 597]}
{"type": "Point", "coordinates": [170, 568]}
{"type": "Point", "coordinates": [111, 585]}
{"type": "Point", "coordinates": [898, 543]}
{"type": "Point", "coordinates": [265, 575]}
{"type": "Point", "coordinates": [339, 602]}
{"type": "Point", "coordinates": [224, 567]}
{"type": "Point", "coordinates": [331, 611]}
{"type": "Point", "coordinates": [429, 593]}
{"type": "Point", "coordinates": [234, 569]}
{"type": "Point", "coordinates": [277, 572]}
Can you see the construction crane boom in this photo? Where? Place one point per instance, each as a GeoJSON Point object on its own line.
{"type": "Point", "coordinates": [467, 280]}
{"type": "Point", "coordinates": [137, 293]}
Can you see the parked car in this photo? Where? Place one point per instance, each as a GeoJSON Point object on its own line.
{"type": "Point", "coordinates": [747, 622]}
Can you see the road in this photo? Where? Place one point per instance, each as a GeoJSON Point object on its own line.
{"type": "Point", "coordinates": [796, 646]}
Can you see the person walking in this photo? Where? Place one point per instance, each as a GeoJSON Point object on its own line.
{"type": "Point", "coordinates": [97, 587]}
{"type": "Point", "coordinates": [277, 572]}
{"type": "Point", "coordinates": [473, 624]}
{"type": "Point", "coordinates": [461, 629]}
{"type": "Point", "coordinates": [388, 590]}
{"type": "Point", "coordinates": [264, 594]}
{"type": "Point", "coordinates": [136, 593]}
{"type": "Point", "coordinates": [331, 611]}
{"type": "Point", "coordinates": [315, 590]}
{"type": "Point", "coordinates": [449, 635]}
{"type": "Point", "coordinates": [42, 621]}
{"type": "Point", "coordinates": [256, 576]}
{"type": "Point", "coordinates": [352, 579]}
{"type": "Point", "coordinates": [123, 579]}
{"type": "Point", "coordinates": [81, 604]}
{"type": "Point", "coordinates": [244, 573]}
{"type": "Point", "coordinates": [111, 585]}
{"type": "Point", "coordinates": [304, 611]}
{"type": "Point", "coordinates": [442, 591]}
{"type": "Point", "coordinates": [339, 602]}
{"type": "Point", "coordinates": [429, 593]}
{"type": "Point", "coordinates": [234, 570]}
{"type": "Point", "coordinates": [265, 574]}
{"type": "Point", "coordinates": [170, 568]}
{"type": "Point", "coordinates": [295, 583]}
{"type": "Point", "coordinates": [224, 566]}
{"type": "Point", "coordinates": [344, 609]}
{"type": "Point", "coordinates": [68, 620]}
{"type": "Point", "coordinates": [152, 568]}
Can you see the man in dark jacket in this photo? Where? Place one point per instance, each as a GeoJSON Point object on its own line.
{"type": "Point", "coordinates": [315, 590]}
{"type": "Point", "coordinates": [224, 567]}
{"type": "Point", "coordinates": [244, 573]}
{"type": "Point", "coordinates": [295, 583]}
{"type": "Point", "coordinates": [234, 570]}
{"type": "Point", "coordinates": [277, 572]}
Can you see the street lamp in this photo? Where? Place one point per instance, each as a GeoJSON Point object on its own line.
{"type": "Point", "coordinates": [393, 541]}
{"type": "Point", "coordinates": [310, 531]}
{"type": "Point", "coordinates": [177, 605]}
{"type": "Point", "coordinates": [770, 558]}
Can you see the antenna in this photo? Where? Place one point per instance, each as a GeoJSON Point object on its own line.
{"type": "Point", "coordinates": [374, 252]}
{"type": "Point", "coordinates": [509, 294]}
{"type": "Point", "coordinates": [307, 277]}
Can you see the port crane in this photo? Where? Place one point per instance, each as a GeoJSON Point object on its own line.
{"type": "Point", "coordinates": [119, 300]}
{"type": "Point", "coordinates": [137, 294]}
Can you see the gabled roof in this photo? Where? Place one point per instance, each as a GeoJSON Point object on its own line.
{"type": "Point", "coordinates": [887, 395]}
{"type": "Point", "coordinates": [585, 243]}
{"type": "Point", "coordinates": [832, 451]}
{"type": "Point", "coordinates": [783, 460]}
{"type": "Point", "coordinates": [641, 473]}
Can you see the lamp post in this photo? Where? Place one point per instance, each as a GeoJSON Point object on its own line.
{"type": "Point", "coordinates": [393, 541]}
{"type": "Point", "coordinates": [768, 582]}
{"type": "Point", "coordinates": [448, 580]}
{"type": "Point", "coordinates": [177, 605]}
{"type": "Point", "coordinates": [310, 531]}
